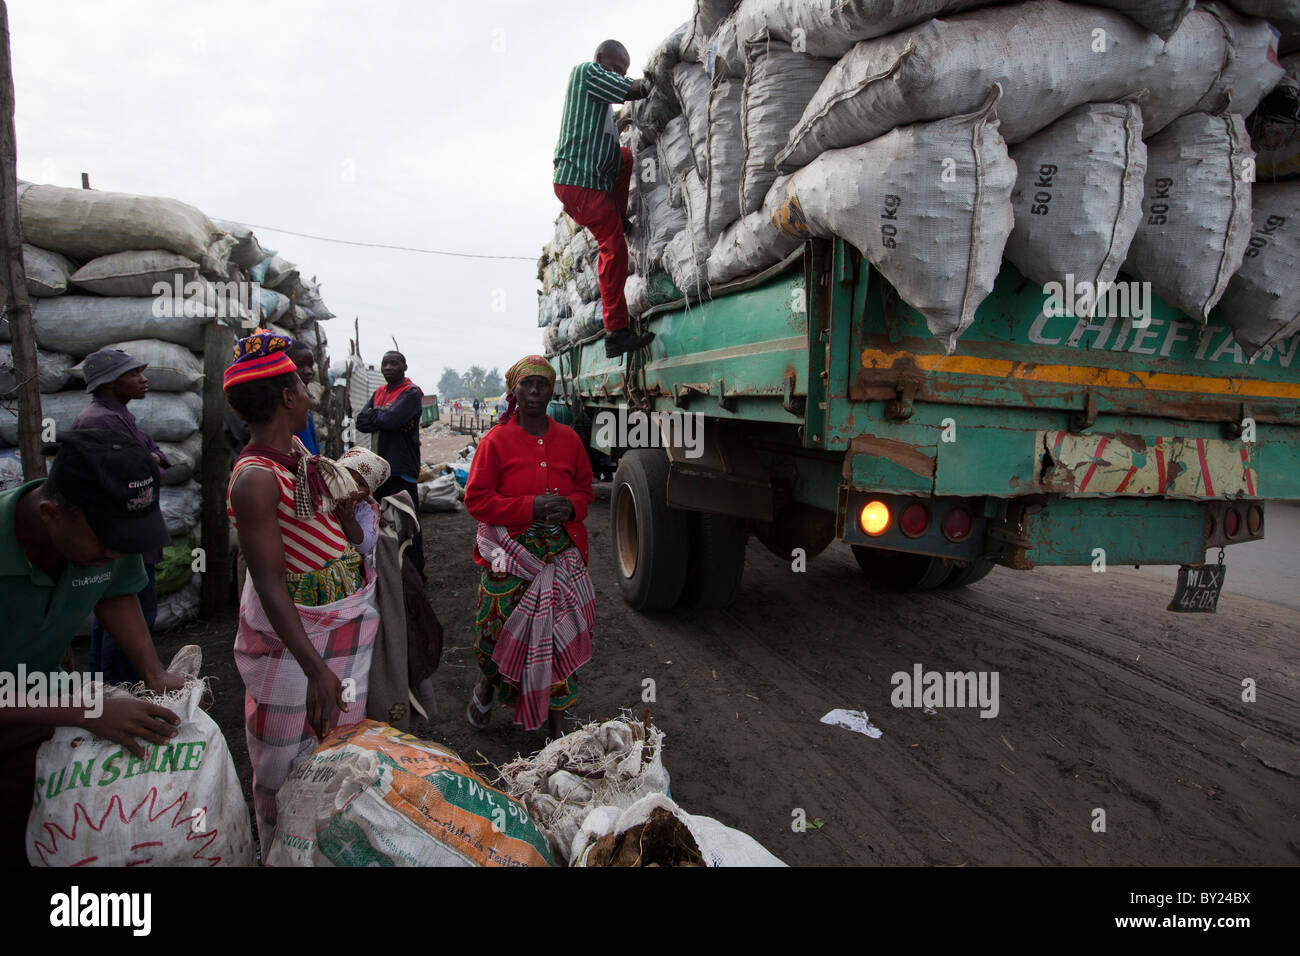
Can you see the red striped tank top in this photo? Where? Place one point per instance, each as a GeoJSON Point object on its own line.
{"type": "Point", "coordinates": [308, 545]}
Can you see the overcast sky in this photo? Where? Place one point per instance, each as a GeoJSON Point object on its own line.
{"type": "Point", "coordinates": [425, 124]}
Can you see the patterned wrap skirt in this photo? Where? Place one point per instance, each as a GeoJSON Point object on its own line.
{"type": "Point", "coordinates": [341, 578]}
{"type": "Point", "coordinates": [498, 596]}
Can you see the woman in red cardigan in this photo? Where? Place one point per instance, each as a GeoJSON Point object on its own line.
{"type": "Point", "coordinates": [530, 488]}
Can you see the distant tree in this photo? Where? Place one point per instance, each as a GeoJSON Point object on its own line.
{"type": "Point", "coordinates": [473, 380]}
{"type": "Point", "coordinates": [492, 384]}
{"type": "Point", "coordinates": [450, 385]}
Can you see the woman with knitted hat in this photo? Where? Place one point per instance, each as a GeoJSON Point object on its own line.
{"type": "Point", "coordinates": [307, 617]}
{"type": "Point", "coordinates": [530, 488]}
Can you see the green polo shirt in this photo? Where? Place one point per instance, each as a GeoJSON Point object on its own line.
{"type": "Point", "coordinates": [587, 154]}
{"type": "Point", "coordinates": [41, 616]}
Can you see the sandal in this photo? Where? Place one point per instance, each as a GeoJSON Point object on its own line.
{"type": "Point", "coordinates": [477, 714]}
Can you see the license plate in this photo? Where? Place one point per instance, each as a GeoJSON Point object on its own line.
{"type": "Point", "coordinates": [1198, 588]}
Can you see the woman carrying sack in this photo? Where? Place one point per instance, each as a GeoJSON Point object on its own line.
{"type": "Point", "coordinates": [530, 488]}
{"type": "Point", "coordinates": [307, 617]}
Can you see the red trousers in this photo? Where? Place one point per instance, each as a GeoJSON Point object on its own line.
{"type": "Point", "coordinates": [602, 213]}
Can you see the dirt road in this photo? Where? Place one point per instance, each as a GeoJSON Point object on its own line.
{"type": "Point", "coordinates": [1107, 702]}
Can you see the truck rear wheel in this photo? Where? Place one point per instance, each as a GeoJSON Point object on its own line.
{"type": "Point", "coordinates": [650, 539]}
{"type": "Point", "coordinates": [901, 571]}
{"type": "Point", "coordinates": [964, 576]}
{"type": "Point", "coordinates": [717, 560]}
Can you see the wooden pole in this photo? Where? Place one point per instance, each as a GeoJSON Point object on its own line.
{"type": "Point", "coordinates": [218, 349]}
{"type": "Point", "coordinates": [21, 329]}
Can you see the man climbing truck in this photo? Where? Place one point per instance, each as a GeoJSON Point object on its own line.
{"type": "Point", "coordinates": [829, 411]}
{"type": "Point", "coordinates": [592, 177]}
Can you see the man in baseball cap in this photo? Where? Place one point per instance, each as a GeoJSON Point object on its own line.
{"type": "Point", "coordinates": [70, 545]}
{"type": "Point", "coordinates": [116, 378]}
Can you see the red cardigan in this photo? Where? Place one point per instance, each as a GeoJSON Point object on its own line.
{"type": "Point", "coordinates": [512, 467]}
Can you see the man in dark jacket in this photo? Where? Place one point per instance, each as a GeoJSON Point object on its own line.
{"type": "Point", "coordinates": [393, 413]}
{"type": "Point", "coordinates": [115, 378]}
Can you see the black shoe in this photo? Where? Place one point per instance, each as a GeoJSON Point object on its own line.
{"type": "Point", "coordinates": [625, 340]}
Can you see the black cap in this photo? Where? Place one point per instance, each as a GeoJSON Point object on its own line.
{"type": "Point", "coordinates": [115, 482]}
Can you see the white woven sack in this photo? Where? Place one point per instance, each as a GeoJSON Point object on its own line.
{"type": "Point", "coordinates": [726, 157]}
{"type": "Point", "coordinates": [46, 272]}
{"type": "Point", "coordinates": [675, 155]}
{"type": "Point", "coordinates": [182, 506]}
{"type": "Point", "coordinates": [830, 28]}
{"type": "Point", "coordinates": [96, 804]}
{"type": "Point", "coordinates": [1262, 303]}
{"type": "Point", "coordinates": [1078, 196]}
{"type": "Point", "coordinates": [184, 457]}
{"type": "Point", "coordinates": [692, 87]}
{"type": "Point", "coordinates": [134, 273]}
{"type": "Point", "coordinates": [172, 368]}
{"type": "Point", "coordinates": [80, 324]}
{"type": "Point", "coordinates": [752, 243]}
{"type": "Point", "coordinates": [929, 205]}
{"type": "Point", "coordinates": [663, 222]}
{"type": "Point", "coordinates": [1271, 9]}
{"type": "Point", "coordinates": [247, 251]}
{"type": "Point", "coordinates": [163, 416]}
{"type": "Point", "coordinates": [685, 256]}
{"type": "Point", "coordinates": [1217, 61]}
{"type": "Point", "coordinates": [1196, 211]}
{"type": "Point", "coordinates": [53, 369]}
{"type": "Point", "coordinates": [723, 57]}
{"type": "Point", "coordinates": [720, 845]}
{"type": "Point", "coordinates": [1049, 57]}
{"type": "Point", "coordinates": [703, 23]}
{"type": "Point", "coordinates": [88, 223]}
{"type": "Point", "coordinates": [1161, 17]}
{"type": "Point", "coordinates": [779, 84]}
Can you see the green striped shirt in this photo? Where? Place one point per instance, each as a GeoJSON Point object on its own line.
{"type": "Point", "coordinates": [587, 154]}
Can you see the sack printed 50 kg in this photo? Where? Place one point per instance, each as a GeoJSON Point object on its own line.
{"type": "Point", "coordinates": [928, 205]}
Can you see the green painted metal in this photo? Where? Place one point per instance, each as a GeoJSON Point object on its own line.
{"type": "Point", "coordinates": [1128, 531]}
{"type": "Point", "coordinates": [738, 350]}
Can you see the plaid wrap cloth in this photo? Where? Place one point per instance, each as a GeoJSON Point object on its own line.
{"type": "Point", "coordinates": [275, 702]}
{"type": "Point", "coordinates": [548, 637]}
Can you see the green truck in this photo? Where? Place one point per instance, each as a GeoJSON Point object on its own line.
{"type": "Point", "coordinates": [809, 403]}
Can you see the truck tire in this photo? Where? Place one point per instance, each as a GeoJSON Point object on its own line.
{"type": "Point", "coordinates": [900, 571]}
{"type": "Point", "coordinates": [650, 539]}
{"type": "Point", "coordinates": [717, 560]}
{"type": "Point", "coordinates": [965, 576]}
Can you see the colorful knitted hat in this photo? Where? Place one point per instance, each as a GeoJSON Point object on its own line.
{"type": "Point", "coordinates": [263, 354]}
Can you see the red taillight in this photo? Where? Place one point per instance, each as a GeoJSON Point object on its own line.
{"type": "Point", "coordinates": [957, 524]}
{"type": "Point", "coordinates": [1255, 519]}
{"type": "Point", "coordinates": [1231, 523]}
{"type": "Point", "coordinates": [915, 520]}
